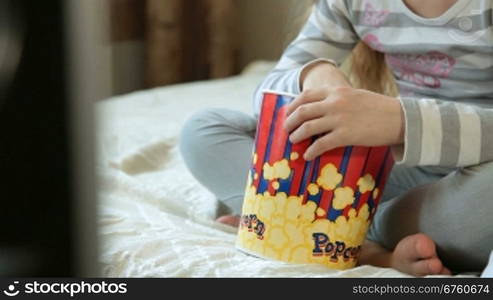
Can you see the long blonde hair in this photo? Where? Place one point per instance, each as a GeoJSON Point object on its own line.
{"type": "Point", "coordinates": [366, 68]}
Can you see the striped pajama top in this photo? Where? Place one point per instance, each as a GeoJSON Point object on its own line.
{"type": "Point", "coordinates": [443, 67]}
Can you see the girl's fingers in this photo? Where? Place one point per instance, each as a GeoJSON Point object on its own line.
{"type": "Point", "coordinates": [309, 129]}
{"type": "Point", "coordinates": [303, 114]}
{"type": "Point", "coordinates": [307, 97]}
{"type": "Point", "coordinates": [323, 144]}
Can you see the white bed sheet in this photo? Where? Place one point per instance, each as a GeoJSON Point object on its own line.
{"type": "Point", "coordinates": [156, 220]}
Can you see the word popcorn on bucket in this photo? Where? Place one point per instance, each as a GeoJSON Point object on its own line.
{"type": "Point", "coordinates": [308, 212]}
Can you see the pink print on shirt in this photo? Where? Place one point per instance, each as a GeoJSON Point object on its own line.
{"type": "Point", "coordinates": [373, 17]}
{"type": "Point", "coordinates": [422, 69]}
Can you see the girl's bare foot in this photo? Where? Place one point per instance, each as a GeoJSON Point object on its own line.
{"type": "Point", "coordinates": [415, 254]}
{"type": "Point", "coordinates": [230, 220]}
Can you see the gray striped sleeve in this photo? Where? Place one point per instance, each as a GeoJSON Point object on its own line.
{"type": "Point", "coordinates": [412, 138]}
{"type": "Point", "coordinates": [445, 133]}
{"type": "Point", "coordinates": [449, 116]}
{"type": "Point", "coordinates": [327, 36]}
{"type": "Point", "coordinates": [486, 117]}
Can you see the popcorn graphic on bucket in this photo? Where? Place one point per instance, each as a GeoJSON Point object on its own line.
{"type": "Point", "coordinates": [315, 212]}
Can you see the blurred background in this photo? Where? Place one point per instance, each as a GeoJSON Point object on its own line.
{"type": "Point", "coordinates": [69, 159]}
{"type": "Point", "coordinates": [160, 42]}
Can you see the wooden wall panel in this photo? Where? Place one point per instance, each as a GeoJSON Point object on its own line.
{"type": "Point", "coordinates": [191, 40]}
{"type": "Point", "coordinates": [127, 19]}
{"type": "Point", "coordinates": [163, 42]}
{"type": "Point", "coordinates": [184, 40]}
{"type": "Point", "coordinates": [224, 37]}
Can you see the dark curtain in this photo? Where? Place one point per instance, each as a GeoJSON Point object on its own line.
{"type": "Point", "coordinates": [190, 40]}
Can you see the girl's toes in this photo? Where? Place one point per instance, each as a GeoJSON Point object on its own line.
{"type": "Point", "coordinates": [445, 271]}
{"type": "Point", "coordinates": [415, 247]}
{"type": "Point", "coordinates": [432, 266]}
{"type": "Point", "coordinates": [233, 221]}
{"type": "Point", "coordinates": [424, 245]}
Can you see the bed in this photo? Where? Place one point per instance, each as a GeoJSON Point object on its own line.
{"type": "Point", "coordinates": [155, 219]}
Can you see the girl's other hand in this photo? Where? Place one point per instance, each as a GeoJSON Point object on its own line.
{"type": "Point", "coordinates": [344, 116]}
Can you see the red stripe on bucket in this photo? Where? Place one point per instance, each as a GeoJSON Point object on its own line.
{"type": "Point", "coordinates": [298, 166]}
{"type": "Point", "coordinates": [265, 120]}
{"type": "Point", "coordinates": [279, 141]}
{"type": "Point", "coordinates": [374, 162]}
{"type": "Point", "coordinates": [354, 170]}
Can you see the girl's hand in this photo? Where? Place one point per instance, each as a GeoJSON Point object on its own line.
{"type": "Point", "coordinates": [344, 116]}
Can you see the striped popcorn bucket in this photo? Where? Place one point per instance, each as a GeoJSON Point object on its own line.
{"type": "Point", "coordinates": [315, 212]}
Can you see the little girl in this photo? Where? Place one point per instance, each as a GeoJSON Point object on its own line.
{"type": "Point", "coordinates": [435, 213]}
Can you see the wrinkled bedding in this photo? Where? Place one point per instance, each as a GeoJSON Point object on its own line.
{"type": "Point", "coordinates": [155, 219]}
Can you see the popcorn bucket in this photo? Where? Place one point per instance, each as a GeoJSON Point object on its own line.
{"type": "Point", "coordinates": [315, 212]}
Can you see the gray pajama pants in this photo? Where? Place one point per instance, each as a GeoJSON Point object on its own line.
{"type": "Point", "coordinates": [453, 206]}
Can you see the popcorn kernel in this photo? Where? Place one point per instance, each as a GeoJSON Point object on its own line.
{"type": "Point", "coordinates": [281, 200]}
{"type": "Point", "coordinates": [308, 211]}
{"type": "Point", "coordinates": [329, 177]}
{"type": "Point", "coordinates": [267, 208]}
{"type": "Point", "coordinates": [343, 197]}
{"type": "Point", "coordinates": [366, 183]}
{"type": "Point", "coordinates": [313, 189]}
{"type": "Point", "coordinates": [294, 234]}
{"type": "Point", "coordinates": [280, 170]}
{"type": "Point", "coordinates": [294, 156]}
{"type": "Point", "coordinates": [293, 209]}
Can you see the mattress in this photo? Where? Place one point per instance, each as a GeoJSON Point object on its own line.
{"type": "Point", "coordinates": [155, 219]}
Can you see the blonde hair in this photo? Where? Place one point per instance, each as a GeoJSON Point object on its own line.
{"type": "Point", "coordinates": [366, 68]}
